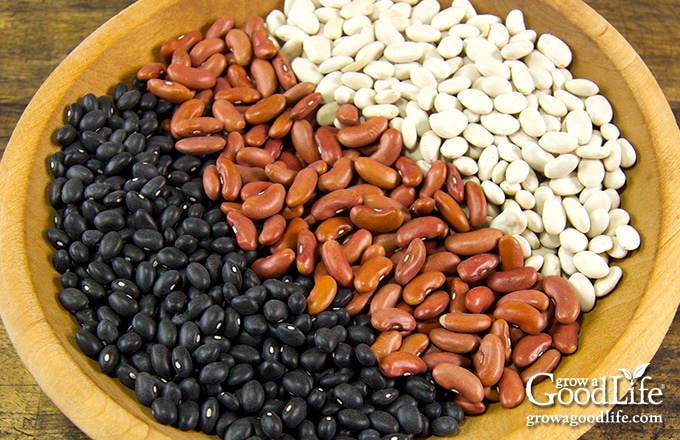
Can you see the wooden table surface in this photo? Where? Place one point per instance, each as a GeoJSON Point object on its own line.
{"type": "Point", "coordinates": [37, 35]}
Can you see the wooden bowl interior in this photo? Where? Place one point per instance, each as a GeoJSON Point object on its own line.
{"type": "Point", "coordinates": [101, 406]}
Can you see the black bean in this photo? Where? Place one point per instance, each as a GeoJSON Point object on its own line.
{"type": "Point", "coordinates": [58, 238]}
{"type": "Point", "coordinates": [213, 373]}
{"type": "Point", "coordinates": [69, 279]}
{"type": "Point", "coordinates": [333, 380]}
{"type": "Point", "coordinates": [454, 410]}
{"type": "Point", "coordinates": [271, 424]}
{"type": "Point", "coordinates": [294, 412]}
{"type": "Point", "coordinates": [316, 398]}
{"type": "Point", "coordinates": [109, 220]}
{"type": "Point", "coordinates": [384, 422]}
{"type": "Point", "coordinates": [188, 415]}
{"type": "Point", "coordinates": [73, 113]}
{"type": "Point", "coordinates": [275, 310]}
{"type": "Point", "coordinates": [108, 149]}
{"type": "Point", "coordinates": [232, 323]}
{"type": "Point", "coordinates": [289, 357]}
{"type": "Point", "coordinates": [240, 429]}
{"type": "Point", "coordinates": [210, 412]}
{"type": "Point", "coordinates": [126, 374]}
{"type": "Point", "coordinates": [358, 334]}
{"type": "Point", "coordinates": [353, 419]}
{"type": "Point", "coordinates": [255, 324]}
{"type": "Point", "coordinates": [432, 410]}
{"type": "Point", "coordinates": [348, 396]}
{"type": "Point", "coordinates": [298, 383]}
{"type": "Point", "coordinates": [245, 305]}
{"type": "Point", "coordinates": [164, 410]}
{"type": "Point", "coordinates": [74, 225]}
{"type": "Point", "coordinates": [303, 322]}
{"type": "Point", "coordinates": [251, 396]}
{"type": "Point", "coordinates": [397, 436]}
{"type": "Point", "coordinates": [142, 362]}
{"type": "Point", "coordinates": [73, 299]}
{"type": "Point", "coordinates": [422, 389]}
{"type": "Point", "coordinates": [146, 390]}
{"type": "Point", "coordinates": [126, 286]}
{"type": "Point", "coordinates": [342, 355]}
{"type": "Point", "coordinates": [123, 304]}
{"type": "Point", "coordinates": [166, 283]}
{"type": "Point", "coordinates": [189, 335]}
{"type": "Point", "coordinates": [369, 434]}
{"type": "Point", "coordinates": [289, 334]}
{"type": "Point", "coordinates": [133, 253]}
{"type": "Point", "coordinates": [92, 237]}
{"type": "Point", "coordinates": [90, 209]}
{"type": "Point", "coordinates": [325, 340]}
{"type": "Point", "coordinates": [88, 343]}
{"type": "Point", "coordinates": [182, 361]}
{"type": "Point", "coordinates": [384, 396]}
{"type": "Point", "coordinates": [326, 428]}
{"type": "Point", "coordinates": [313, 360]}
{"type": "Point", "coordinates": [118, 163]}
{"type": "Point", "coordinates": [92, 120]}
{"type": "Point", "coordinates": [245, 354]}
{"type": "Point", "coordinates": [239, 375]}
{"type": "Point", "coordinates": [172, 258]}
{"type": "Point", "coordinates": [410, 419]}
{"type": "Point", "coordinates": [186, 243]}
{"type": "Point", "coordinates": [229, 400]}
{"type": "Point", "coordinates": [109, 357]}
{"type": "Point", "coordinates": [128, 100]}
{"type": "Point", "coordinates": [129, 342]}
{"type": "Point", "coordinates": [444, 426]}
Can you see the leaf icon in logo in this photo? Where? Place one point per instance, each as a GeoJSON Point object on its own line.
{"type": "Point", "coordinates": [640, 371]}
{"type": "Point", "coordinates": [627, 374]}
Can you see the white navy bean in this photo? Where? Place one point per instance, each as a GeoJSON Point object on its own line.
{"type": "Point", "coordinates": [526, 200]}
{"type": "Point", "coordinates": [553, 215]}
{"type": "Point", "coordinates": [510, 103]}
{"type": "Point", "coordinates": [613, 161]}
{"type": "Point", "coordinates": [429, 146]}
{"type": "Point", "coordinates": [578, 123]}
{"type": "Point", "coordinates": [601, 244]}
{"type": "Point", "coordinates": [388, 111]}
{"type": "Point", "coordinates": [453, 148]}
{"type": "Point", "coordinates": [561, 166]}
{"type": "Point", "coordinates": [566, 258]}
{"type": "Point", "coordinates": [628, 237]}
{"type": "Point", "coordinates": [609, 131]}
{"type": "Point", "coordinates": [606, 284]}
{"type": "Point", "coordinates": [499, 123]}
{"type": "Point", "coordinates": [551, 265]}
{"type": "Point", "coordinates": [447, 18]}
{"type": "Point", "coordinates": [306, 70]}
{"type": "Point", "coordinates": [423, 33]}
{"type": "Point", "coordinates": [517, 49]}
{"type": "Point", "coordinates": [585, 291]}
{"type": "Point", "coordinates": [498, 172]}
{"type": "Point", "coordinates": [541, 77]}
{"type": "Point", "coordinates": [403, 52]}
{"type": "Point", "coordinates": [364, 97]}
{"type": "Point", "coordinates": [573, 240]}
{"type": "Point", "coordinates": [599, 221]}
{"type": "Point", "coordinates": [356, 80]}
{"type": "Point", "coordinates": [572, 101]}
{"type": "Point", "coordinates": [582, 87]}
{"type": "Point", "coordinates": [591, 152]}
{"type": "Point", "coordinates": [425, 11]}
{"type": "Point", "coordinates": [477, 135]}
{"type": "Point", "coordinates": [334, 64]}
{"type": "Point", "coordinates": [517, 171]}
{"type": "Point", "coordinates": [558, 142]}
{"type": "Point", "coordinates": [535, 261]}
{"type": "Point", "coordinates": [511, 221]}
{"type": "Point", "coordinates": [422, 77]}
{"type": "Point", "coordinates": [490, 66]}
{"type": "Point", "coordinates": [555, 49]}
{"type": "Point", "coordinates": [576, 214]}
{"type": "Point", "coordinates": [449, 123]}
{"type": "Point", "coordinates": [388, 96]}
{"type": "Point", "coordinates": [466, 165]}
{"type": "Point", "coordinates": [493, 192]}
{"type": "Point", "coordinates": [343, 95]}
{"type": "Point", "coordinates": [614, 179]}
{"type": "Point", "coordinates": [599, 109]}
{"type": "Point", "coordinates": [552, 106]}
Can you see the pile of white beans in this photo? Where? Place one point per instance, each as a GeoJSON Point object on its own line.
{"type": "Point", "coordinates": [494, 98]}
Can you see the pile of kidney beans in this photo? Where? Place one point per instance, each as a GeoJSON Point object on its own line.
{"type": "Point", "coordinates": [251, 274]}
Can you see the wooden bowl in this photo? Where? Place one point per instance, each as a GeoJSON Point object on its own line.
{"type": "Point", "coordinates": [623, 331]}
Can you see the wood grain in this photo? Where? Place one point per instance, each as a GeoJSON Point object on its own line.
{"type": "Point", "coordinates": [34, 43]}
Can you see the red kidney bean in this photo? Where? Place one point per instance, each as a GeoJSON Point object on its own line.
{"type": "Point", "coordinates": [263, 46]}
{"type": "Point", "coordinates": [389, 147]}
{"type": "Point", "coordinates": [567, 305]}
{"type": "Point", "coordinates": [336, 263]}
{"type": "Point", "coordinates": [284, 72]}
{"type": "Point", "coordinates": [386, 343]}
{"type": "Point", "coordinates": [417, 289]}
{"type": "Point", "coordinates": [489, 360]}
{"type": "Point", "coordinates": [501, 329]}
{"type": "Point", "coordinates": [333, 203]}
{"type": "Point", "coordinates": [479, 299]}
{"type": "Point", "coordinates": [510, 389]}
{"type": "Point", "coordinates": [220, 27]}
{"type": "Point", "coordinates": [240, 45]}
{"type": "Point", "coordinates": [432, 306]}
{"type": "Point", "coordinates": [421, 227]}
{"type": "Point", "coordinates": [357, 136]}
{"type": "Point", "coordinates": [183, 42]}
{"type": "Point", "coordinates": [321, 295]}
{"type": "Point", "coordinates": [356, 244]}
{"type": "Point", "coordinates": [526, 317]}
{"type": "Point", "coordinates": [513, 279]}
{"type": "Point", "coordinates": [272, 230]}
{"type": "Point", "coordinates": [306, 106]}
{"type": "Point", "coordinates": [244, 230]}
{"type": "Point", "coordinates": [477, 267]}
{"type": "Point", "coordinates": [465, 322]}
{"type": "Point", "coordinates": [529, 348]}
{"type": "Point", "coordinates": [306, 252]}
{"type": "Point", "coordinates": [265, 109]}
{"type": "Point", "coordinates": [565, 337]}
{"type": "Point", "coordinates": [532, 297]}
{"type": "Point", "coordinates": [278, 172]}
{"type": "Point", "coordinates": [333, 229]}
{"type": "Point", "coordinates": [151, 70]}
{"type": "Point", "coordinates": [347, 114]}
{"type": "Point", "coordinates": [191, 77]}
{"type": "Point", "coordinates": [434, 178]}
{"type": "Point", "coordinates": [451, 211]}
{"type": "Point", "coordinates": [510, 253]}
{"type": "Point", "coordinates": [274, 265]}
{"type": "Point", "coordinates": [411, 262]}
{"type": "Point", "coordinates": [398, 364]}
{"type": "Point", "coordinates": [376, 220]}
{"type": "Point", "coordinates": [266, 204]}
{"type": "Point", "coordinates": [376, 173]}
{"type": "Point", "coordinates": [453, 341]}
{"type": "Point", "coordinates": [444, 262]}
{"type": "Point", "coordinates": [416, 344]}
{"type": "Point", "coordinates": [453, 377]}
{"type": "Point", "coordinates": [476, 203]}
{"type": "Point", "coordinates": [433, 359]}
{"type": "Point", "coordinates": [371, 273]}
{"type": "Point", "coordinates": [263, 74]}
{"type": "Point", "coordinates": [393, 319]}
{"type": "Point", "coordinates": [200, 145]}
{"type": "Point", "coordinates": [211, 182]}
{"type": "Point", "coordinates": [546, 363]}
{"type": "Point", "coordinates": [386, 297]}
{"type": "Point", "coordinates": [170, 90]}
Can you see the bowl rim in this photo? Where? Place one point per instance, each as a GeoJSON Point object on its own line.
{"type": "Point", "coordinates": [95, 412]}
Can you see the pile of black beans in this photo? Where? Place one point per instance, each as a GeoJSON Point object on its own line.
{"type": "Point", "coordinates": [167, 303]}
